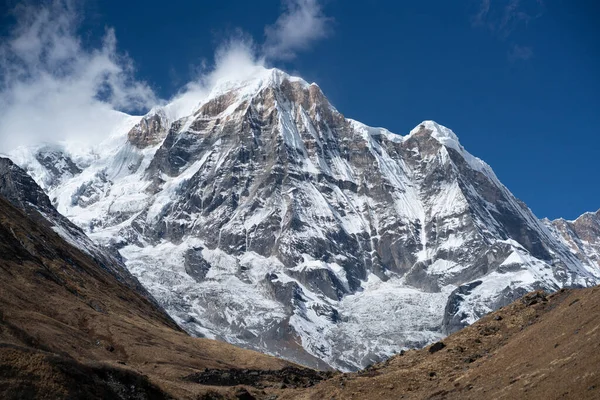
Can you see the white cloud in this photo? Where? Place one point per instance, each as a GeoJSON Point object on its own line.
{"type": "Point", "coordinates": [504, 19]}
{"type": "Point", "coordinates": [301, 23]}
{"type": "Point", "coordinates": [235, 60]}
{"type": "Point", "coordinates": [53, 88]}
{"type": "Point", "coordinates": [518, 52]}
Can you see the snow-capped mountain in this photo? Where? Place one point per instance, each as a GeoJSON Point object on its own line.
{"type": "Point", "coordinates": [581, 236]}
{"type": "Point", "coordinates": [265, 218]}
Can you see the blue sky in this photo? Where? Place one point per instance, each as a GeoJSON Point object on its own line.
{"type": "Point", "coordinates": [516, 80]}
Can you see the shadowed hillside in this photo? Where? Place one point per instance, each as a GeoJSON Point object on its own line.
{"type": "Point", "coordinates": [74, 328]}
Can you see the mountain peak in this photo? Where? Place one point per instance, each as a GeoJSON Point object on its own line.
{"type": "Point", "coordinates": [444, 135]}
{"type": "Point", "coordinates": [252, 80]}
{"type": "Point", "coordinates": [276, 76]}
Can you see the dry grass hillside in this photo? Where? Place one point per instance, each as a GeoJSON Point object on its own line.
{"type": "Point", "coordinates": [539, 347]}
{"type": "Point", "coordinates": [70, 330]}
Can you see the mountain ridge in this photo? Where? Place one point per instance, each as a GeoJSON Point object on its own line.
{"type": "Point", "coordinates": [267, 219]}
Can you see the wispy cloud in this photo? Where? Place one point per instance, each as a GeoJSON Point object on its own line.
{"type": "Point", "coordinates": [479, 19]}
{"type": "Point", "coordinates": [52, 88]}
{"type": "Point", "coordinates": [297, 28]}
{"type": "Point", "coordinates": [235, 59]}
{"type": "Point", "coordinates": [301, 23]}
{"type": "Point", "coordinates": [518, 52]}
{"type": "Point", "coordinates": [503, 18]}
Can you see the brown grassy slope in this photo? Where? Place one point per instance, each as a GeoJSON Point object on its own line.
{"type": "Point", "coordinates": [70, 330]}
{"type": "Point", "coordinates": [58, 308]}
{"type": "Point", "coordinates": [27, 373]}
{"type": "Point", "coordinates": [536, 348]}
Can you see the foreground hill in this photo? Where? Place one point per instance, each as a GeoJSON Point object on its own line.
{"type": "Point", "coordinates": [72, 328]}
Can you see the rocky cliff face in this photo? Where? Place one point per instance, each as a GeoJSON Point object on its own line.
{"type": "Point", "coordinates": [581, 236]}
{"type": "Point", "coordinates": [267, 219]}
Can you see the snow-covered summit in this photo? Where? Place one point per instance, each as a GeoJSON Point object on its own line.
{"type": "Point", "coordinates": [442, 134]}
{"type": "Point", "coordinates": [258, 78]}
